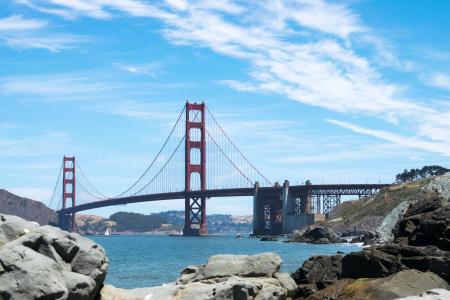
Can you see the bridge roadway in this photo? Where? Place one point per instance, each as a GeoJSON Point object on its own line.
{"type": "Point", "coordinates": [295, 190]}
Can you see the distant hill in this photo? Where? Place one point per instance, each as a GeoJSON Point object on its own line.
{"type": "Point", "coordinates": [29, 209]}
{"type": "Point", "coordinates": [161, 223]}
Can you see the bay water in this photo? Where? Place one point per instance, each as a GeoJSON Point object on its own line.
{"type": "Point", "coordinates": [145, 260]}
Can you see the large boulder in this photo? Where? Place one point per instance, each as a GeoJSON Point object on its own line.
{"type": "Point", "coordinates": [316, 234]}
{"type": "Point", "coordinates": [225, 265]}
{"type": "Point", "coordinates": [48, 263]}
{"type": "Point", "coordinates": [402, 284]}
{"type": "Point", "coordinates": [370, 263]}
{"type": "Point", "coordinates": [426, 222]}
{"type": "Point", "coordinates": [366, 237]}
{"type": "Point", "coordinates": [238, 277]}
{"type": "Point", "coordinates": [12, 227]}
{"type": "Point", "coordinates": [385, 260]}
{"type": "Point", "coordinates": [320, 270]}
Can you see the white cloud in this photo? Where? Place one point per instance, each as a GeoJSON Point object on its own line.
{"type": "Point", "coordinates": [18, 23]}
{"type": "Point", "coordinates": [53, 43]}
{"type": "Point", "coordinates": [441, 147]}
{"type": "Point", "coordinates": [139, 110]}
{"type": "Point", "coordinates": [46, 143]}
{"type": "Point", "coordinates": [62, 87]}
{"type": "Point", "coordinates": [439, 80]}
{"type": "Point", "coordinates": [20, 33]}
{"type": "Point", "coordinates": [151, 69]}
{"type": "Point", "coordinates": [99, 9]}
{"type": "Point", "coordinates": [305, 50]}
{"type": "Point", "coordinates": [331, 18]}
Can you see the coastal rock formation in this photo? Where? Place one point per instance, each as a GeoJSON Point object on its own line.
{"type": "Point", "coordinates": [433, 294]}
{"type": "Point", "coordinates": [320, 270]}
{"type": "Point", "coordinates": [44, 262]}
{"type": "Point", "coordinates": [316, 234]}
{"type": "Point", "coordinates": [402, 284]}
{"type": "Point", "coordinates": [426, 222]}
{"type": "Point", "coordinates": [418, 260]}
{"type": "Point", "coordinates": [239, 277]}
{"type": "Point", "coordinates": [366, 237]}
{"type": "Point", "coordinates": [381, 212]}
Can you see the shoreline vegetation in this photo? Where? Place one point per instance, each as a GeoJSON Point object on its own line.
{"type": "Point", "coordinates": [408, 254]}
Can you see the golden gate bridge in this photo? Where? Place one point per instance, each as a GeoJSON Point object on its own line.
{"type": "Point", "coordinates": [198, 161]}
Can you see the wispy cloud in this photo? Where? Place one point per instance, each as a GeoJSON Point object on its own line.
{"type": "Point", "coordinates": [139, 110]}
{"type": "Point", "coordinates": [19, 23]}
{"type": "Point", "coordinates": [20, 33]}
{"type": "Point", "coordinates": [53, 43]}
{"type": "Point", "coordinates": [46, 143]}
{"type": "Point", "coordinates": [305, 50]}
{"type": "Point", "coordinates": [99, 9]}
{"type": "Point", "coordinates": [151, 69]}
{"type": "Point", "coordinates": [439, 80]}
{"type": "Point", "coordinates": [441, 147]}
{"type": "Point", "coordinates": [62, 87]}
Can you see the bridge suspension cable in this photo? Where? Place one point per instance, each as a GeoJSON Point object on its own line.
{"type": "Point", "coordinates": [226, 167]}
{"type": "Point", "coordinates": [56, 187]}
{"type": "Point", "coordinates": [156, 157]}
{"type": "Point", "coordinates": [236, 153]}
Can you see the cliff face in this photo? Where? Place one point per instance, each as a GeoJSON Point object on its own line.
{"type": "Point", "coordinates": [382, 211]}
{"type": "Point", "coordinates": [28, 209]}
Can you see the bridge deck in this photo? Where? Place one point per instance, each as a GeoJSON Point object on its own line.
{"type": "Point", "coordinates": [316, 189]}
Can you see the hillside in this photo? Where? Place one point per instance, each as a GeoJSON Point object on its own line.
{"type": "Point", "coordinates": [381, 211]}
{"type": "Point", "coordinates": [28, 209]}
{"type": "Point", "coordinates": [168, 222]}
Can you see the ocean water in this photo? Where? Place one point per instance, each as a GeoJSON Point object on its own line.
{"type": "Point", "coordinates": [143, 260]}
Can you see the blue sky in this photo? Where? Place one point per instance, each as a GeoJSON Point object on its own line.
{"type": "Point", "coordinates": [330, 91]}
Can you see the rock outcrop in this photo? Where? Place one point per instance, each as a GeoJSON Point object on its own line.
{"type": "Point", "coordinates": [417, 260]}
{"type": "Point", "coordinates": [402, 284]}
{"type": "Point", "coordinates": [238, 277]}
{"type": "Point", "coordinates": [316, 234]}
{"type": "Point", "coordinates": [381, 212]}
{"type": "Point", "coordinates": [426, 222]}
{"type": "Point", "coordinates": [44, 262]}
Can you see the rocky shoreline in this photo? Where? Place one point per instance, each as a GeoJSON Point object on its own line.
{"type": "Point", "coordinates": [44, 262]}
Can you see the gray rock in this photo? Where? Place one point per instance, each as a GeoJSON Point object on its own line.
{"type": "Point", "coordinates": [402, 284]}
{"type": "Point", "coordinates": [48, 263]}
{"type": "Point", "coordinates": [12, 227]}
{"type": "Point", "coordinates": [233, 277]}
{"type": "Point", "coordinates": [320, 270]}
{"type": "Point", "coordinates": [405, 283]}
{"type": "Point", "coordinates": [316, 234]}
{"type": "Point", "coordinates": [287, 282]}
{"type": "Point", "coordinates": [440, 186]}
{"type": "Point", "coordinates": [225, 265]}
{"type": "Point", "coordinates": [433, 294]}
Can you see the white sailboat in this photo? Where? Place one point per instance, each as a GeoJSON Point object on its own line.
{"type": "Point", "coordinates": [107, 232]}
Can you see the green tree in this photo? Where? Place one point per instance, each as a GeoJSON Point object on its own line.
{"type": "Point", "coordinates": [425, 172]}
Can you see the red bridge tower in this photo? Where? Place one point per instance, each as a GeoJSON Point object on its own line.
{"type": "Point", "coordinates": [195, 207]}
{"type": "Point", "coordinates": [68, 221]}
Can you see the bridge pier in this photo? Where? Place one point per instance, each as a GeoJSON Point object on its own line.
{"type": "Point", "coordinates": [258, 212]}
{"type": "Point", "coordinates": [267, 211]}
{"type": "Point", "coordinates": [67, 222]}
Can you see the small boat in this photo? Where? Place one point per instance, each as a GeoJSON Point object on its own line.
{"type": "Point", "coordinates": [107, 232]}
{"type": "Point", "coordinates": [239, 236]}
